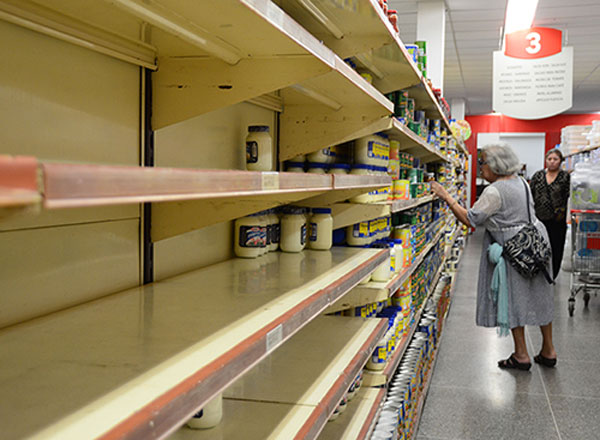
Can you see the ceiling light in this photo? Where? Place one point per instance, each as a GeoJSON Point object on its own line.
{"type": "Point", "coordinates": [519, 15]}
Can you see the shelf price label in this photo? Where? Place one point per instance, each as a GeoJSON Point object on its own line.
{"type": "Point", "coordinates": [270, 181]}
{"type": "Point", "coordinates": [533, 77]}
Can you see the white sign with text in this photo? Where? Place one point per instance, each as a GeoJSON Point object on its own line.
{"type": "Point", "coordinates": [533, 88]}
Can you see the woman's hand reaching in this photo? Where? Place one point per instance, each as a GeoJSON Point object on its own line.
{"type": "Point", "coordinates": [440, 191]}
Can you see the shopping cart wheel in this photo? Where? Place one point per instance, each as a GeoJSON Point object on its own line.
{"type": "Point", "coordinates": [586, 299]}
{"type": "Point", "coordinates": [571, 306]}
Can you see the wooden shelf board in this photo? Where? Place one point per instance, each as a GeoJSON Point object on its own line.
{"type": "Point", "coordinates": [346, 28]}
{"type": "Point", "coordinates": [356, 423]}
{"type": "Point", "coordinates": [326, 110]}
{"type": "Point", "coordinates": [74, 185]}
{"type": "Point", "coordinates": [403, 205]}
{"type": "Point", "coordinates": [310, 374]}
{"type": "Point", "coordinates": [211, 54]}
{"type": "Point", "coordinates": [345, 187]}
{"type": "Point", "coordinates": [134, 364]}
{"type": "Point", "coordinates": [583, 150]}
{"type": "Point", "coordinates": [380, 291]}
{"type": "Point", "coordinates": [187, 199]}
{"type": "Point", "coordinates": [346, 214]}
{"type": "Point", "coordinates": [360, 30]}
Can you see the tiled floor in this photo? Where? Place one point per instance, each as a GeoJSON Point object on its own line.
{"type": "Point", "coordinates": [471, 398]}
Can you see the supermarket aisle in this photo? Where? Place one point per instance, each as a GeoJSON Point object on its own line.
{"type": "Point", "coordinates": [471, 398]}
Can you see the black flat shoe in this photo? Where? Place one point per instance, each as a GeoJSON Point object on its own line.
{"type": "Point", "coordinates": [513, 363]}
{"type": "Point", "coordinates": [543, 360]}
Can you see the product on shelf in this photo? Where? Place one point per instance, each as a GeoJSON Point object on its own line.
{"type": "Point", "coordinates": [321, 229]}
{"type": "Point", "coordinates": [573, 138]}
{"type": "Point", "coordinates": [324, 155]}
{"type": "Point", "coordinates": [259, 148]}
{"type": "Point", "coordinates": [209, 416]}
{"type": "Point", "coordinates": [293, 230]}
{"type": "Point", "coordinates": [399, 413]}
{"type": "Point", "coordinates": [294, 167]}
{"type": "Point", "coordinates": [339, 168]}
{"type": "Point", "coordinates": [250, 237]}
{"type": "Point", "coordinates": [317, 168]}
{"type": "Point", "coordinates": [372, 150]}
{"type": "Point", "coordinates": [368, 232]}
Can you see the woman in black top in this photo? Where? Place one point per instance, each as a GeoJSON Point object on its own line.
{"type": "Point", "coordinates": [550, 188]}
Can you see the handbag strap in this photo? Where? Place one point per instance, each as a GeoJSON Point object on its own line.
{"type": "Point", "coordinates": [527, 198]}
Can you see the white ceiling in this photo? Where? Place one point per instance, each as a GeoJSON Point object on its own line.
{"type": "Point", "coordinates": [473, 33]}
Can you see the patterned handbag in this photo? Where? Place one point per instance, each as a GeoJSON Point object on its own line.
{"type": "Point", "coordinates": [528, 252]}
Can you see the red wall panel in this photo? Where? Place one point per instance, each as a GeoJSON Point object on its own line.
{"type": "Point", "coordinates": [497, 123]}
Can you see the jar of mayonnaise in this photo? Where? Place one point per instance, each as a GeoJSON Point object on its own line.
{"type": "Point", "coordinates": [275, 230]}
{"type": "Point", "coordinates": [321, 229]}
{"type": "Point", "coordinates": [209, 416]}
{"type": "Point", "coordinates": [324, 155]}
{"type": "Point", "coordinates": [294, 167]}
{"type": "Point", "coordinates": [361, 170]}
{"type": "Point", "coordinates": [358, 234]}
{"type": "Point", "coordinates": [293, 230]}
{"type": "Point", "coordinates": [250, 236]}
{"type": "Point", "coordinates": [372, 150]}
{"type": "Point", "coordinates": [382, 273]}
{"type": "Point", "coordinates": [339, 168]}
{"type": "Point", "coordinates": [259, 149]}
{"type": "Point", "coordinates": [317, 168]}
{"type": "Point", "coordinates": [264, 223]}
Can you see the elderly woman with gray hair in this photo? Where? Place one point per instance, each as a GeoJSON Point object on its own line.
{"type": "Point", "coordinates": [502, 209]}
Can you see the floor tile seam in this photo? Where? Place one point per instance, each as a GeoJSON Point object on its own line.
{"type": "Point", "coordinates": [572, 396]}
{"type": "Point", "coordinates": [457, 387]}
{"type": "Point", "coordinates": [528, 336]}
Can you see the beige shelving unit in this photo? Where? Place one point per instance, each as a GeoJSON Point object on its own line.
{"type": "Point", "coordinates": [109, 357]}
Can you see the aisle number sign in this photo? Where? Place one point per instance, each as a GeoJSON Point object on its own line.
{"type": "Point", "coordinates": [533, 77]}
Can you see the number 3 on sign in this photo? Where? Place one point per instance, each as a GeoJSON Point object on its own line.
{"type": "Point", "coordinates": [534, 43]}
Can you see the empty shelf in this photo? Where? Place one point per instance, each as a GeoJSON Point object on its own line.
{"type": "Point", "coordinates": [356, 423]}
{"type": "Point", "coordinates": [134, 364]}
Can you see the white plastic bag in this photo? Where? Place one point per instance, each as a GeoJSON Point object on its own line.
{"type": "Point", "coordinates": [566, 260]}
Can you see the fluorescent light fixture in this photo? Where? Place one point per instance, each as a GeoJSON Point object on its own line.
{"type": "Point", "coordinates": [519, 15]}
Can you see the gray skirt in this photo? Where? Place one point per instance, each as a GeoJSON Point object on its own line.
{"type": "Point", "coordinates": [530, 300]}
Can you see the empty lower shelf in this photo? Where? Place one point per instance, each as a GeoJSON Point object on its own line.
{"type": "Point", "coordinates": [292, 393]}
{"type": "Point", "coordinates": [356, 423]}
{"type": "Point", "coordinates": [133, 364]}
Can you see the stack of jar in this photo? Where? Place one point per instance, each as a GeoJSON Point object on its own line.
{"type": "Point", "coordinates": [368, 232]}
{"type": "Point", "coordinates": [400, 182]}
{"type": "Point", "coordinates": [264, 231]}
{"type": "Point", "coordinates": [318, 162]}
{"type": "Point", "coordinates": [372, 157]}
{"type": "Point", "coordinates": [397, 329]}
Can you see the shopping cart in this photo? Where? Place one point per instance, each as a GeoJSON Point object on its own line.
{"type": "Point", "coordinates": [585, 256]}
